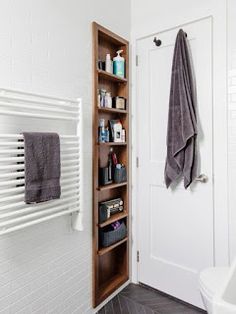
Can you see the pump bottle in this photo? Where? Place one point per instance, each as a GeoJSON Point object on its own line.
{"type": "Point", "coordinates": [119, 65]}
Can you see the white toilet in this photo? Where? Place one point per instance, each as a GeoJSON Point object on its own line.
{"type": "Point", "coordinates": [211, 281]}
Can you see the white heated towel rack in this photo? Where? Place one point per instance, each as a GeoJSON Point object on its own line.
{"type": "Point", "coordinates": [14, 213]}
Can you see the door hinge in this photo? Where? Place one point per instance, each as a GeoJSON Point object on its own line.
{"type": "Point", "coordinates": [137, 162]}
{"type": "Point", "coordinates": [136, 60]}
{"type": "Point", "coordinates": [137, 256]}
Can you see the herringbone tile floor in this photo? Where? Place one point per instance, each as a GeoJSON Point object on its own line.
{"type": "Point", "coordinates": [136, 299]}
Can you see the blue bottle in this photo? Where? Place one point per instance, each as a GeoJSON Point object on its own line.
{"type": "Point", "coordinates": [119, 65]}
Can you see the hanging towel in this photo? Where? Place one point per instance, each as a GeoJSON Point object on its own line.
{"type": "Point", "coordinates": [42, 167]}
{"type": "Point", "coordinates": [181, 160]}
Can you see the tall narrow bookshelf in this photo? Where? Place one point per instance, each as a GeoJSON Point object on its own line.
{"type": "Point", "coordinates": [110, 264]}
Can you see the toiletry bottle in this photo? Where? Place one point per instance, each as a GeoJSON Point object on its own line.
{"type": "Point", "coordinates": [101, 131]}
{"type": "Point", "coordinates": [117, 132]}
{"type": "Point", "coordinates": [114, 158]}
{"type": "Point", "coordinates": [99, 98]}
{"type": "Point", "coordinates": [110, 164]}
{"type": "Point", "coordinates": [107, 135]}
{"type": "Point", "coordinates": [123, 135]}
{"type": "Point", "coordinates": [103, 95]}
{"type": "Point", "coordinates": [108, 100]}
{"type": "Point", "coordinates": [109, 67]}
{"type": "Point", "coordinates": [119, 64]}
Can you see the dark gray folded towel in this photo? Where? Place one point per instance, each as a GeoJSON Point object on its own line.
{"type": "Point", "coordinates": [181, 157]}
{"type": "Point", "coordinates": [42, 167]}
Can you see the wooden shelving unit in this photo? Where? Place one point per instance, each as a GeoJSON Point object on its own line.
{"type": "Point", "coordinates": [110, 248]}
{"type": "Point", "coordinates": [112, 110]}
{"type": "Point", "coordinates": [114, 218]}
{"type": "Point", "coordinates": [111, 186]}
{"type": "Point", "coordinates": [110, 264]}
{"type": "Point", "coordinates": [111, 77]}
{"type": "Point", "coordinates": [113, 144]}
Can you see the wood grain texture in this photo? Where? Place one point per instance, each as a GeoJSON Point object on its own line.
{"type": "Point", "coordinates": [110, 265]}
{"type": "Point", "coordinates": [137, 299]}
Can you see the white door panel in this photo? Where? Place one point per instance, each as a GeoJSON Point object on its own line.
{"type": "Point", "coordinates": [175, 225]}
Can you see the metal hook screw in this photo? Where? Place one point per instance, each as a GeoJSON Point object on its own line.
{"type": "Point", "coordinates": [157, 42]}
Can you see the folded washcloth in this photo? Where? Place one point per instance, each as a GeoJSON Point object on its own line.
{"type": "Point", "coordinates": [181, 157]}
{"type": "Point", "coordinates": [42, 167]}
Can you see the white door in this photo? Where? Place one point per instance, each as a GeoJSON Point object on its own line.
{"type": "Point", "coordinates": [175, 226]}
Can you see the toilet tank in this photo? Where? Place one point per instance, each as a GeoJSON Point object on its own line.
{"type": "Point", "coordinates": [229, 295]}
{"type": "Point", "coordinates": [224, 301]}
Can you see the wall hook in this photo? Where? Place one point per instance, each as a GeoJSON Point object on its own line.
{"type": "Point", "coordinates": [157, 42]}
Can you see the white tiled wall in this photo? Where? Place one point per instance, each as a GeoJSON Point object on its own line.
{"type": "Point", "coordinates": [232, 124]}
{"type": "Point", "coordinates": [45, 47]}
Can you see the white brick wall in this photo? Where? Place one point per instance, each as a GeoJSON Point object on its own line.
{"type": "Point", "coordinates": [45, 47]}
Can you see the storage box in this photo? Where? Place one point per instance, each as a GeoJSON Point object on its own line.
{"type": "Point", "coordinates": [119, 103]}
{"type": "Point", "coordinates": [108, 238]}
{"type": "Point", "coordinates": [120, 175]}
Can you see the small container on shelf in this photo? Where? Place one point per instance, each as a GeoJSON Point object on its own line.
{"type": "Point", "coordinates": [104, 176]}
{"type": "Point", "coordinates": [101, 65]}
{"type": "Point", "coordinates": [109, 64]}
{"type": "Point", "coordinates": [119, 64]}
{"type": "Point", "coordinates": [108, 100]}
{"type": "Point", "coordinates": [116, 130]}
{"type": "Point", "coordinates": [104, 99]}
{"type": "Point", "coordinates": [120, 174]}
{"type": "Point", "coordinates": [112, 233]}
{"type": "Point", "coordinates": [123, 136]}
{"type": "Point", "coordinates": [101, 98]}
{"type": "Point", "coordinates": [119, 103]}
{"type": "Point", "coordinates": [108, 208]}
{"type": "Point", "coordinates": [101, 131]}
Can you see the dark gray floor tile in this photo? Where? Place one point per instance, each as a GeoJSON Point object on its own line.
{"type": "Point", "coordinates": [102, 311]}
{"type": "Point", "coordinates": [116, 305]}
{"type": "Point", "coordinates": [136, 299]}
{"type": "Point", "coordinates": [136, 308]}
{"type": "Point", "coordinates": [125, 307]}
{"type": "Point", "coordinates": [109, 308]}
{"type": "Point", "coordinates": [145, 296]}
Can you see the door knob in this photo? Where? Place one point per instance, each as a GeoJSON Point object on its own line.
{"type": "Point", "coordinates": [202, 178]}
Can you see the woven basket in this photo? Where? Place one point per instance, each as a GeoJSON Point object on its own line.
{"type": "Point", "coordinates": [108, 238]}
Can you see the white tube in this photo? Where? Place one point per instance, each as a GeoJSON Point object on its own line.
{"type": "Point", "coordinates": [37, 108]}
{"type": "Point", "coordinates": [37, 221]}
{"type": "Point", "coordinates": [72, 191]}
{"type": "Point", "coordinates": [36, 115]}
{"type": "Point", "coordinates": [40, 210]}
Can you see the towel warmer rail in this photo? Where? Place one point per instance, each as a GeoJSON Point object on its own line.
{"type": "Point", "coordinates": [14, 213]}
{"type": "Point", "coordinates": [14, 103]}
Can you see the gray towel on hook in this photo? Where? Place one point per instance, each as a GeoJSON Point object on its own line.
{"type": "Point", "coordinates": [181, 160]}
{"type": "Point", "coordinates": [42, 167]}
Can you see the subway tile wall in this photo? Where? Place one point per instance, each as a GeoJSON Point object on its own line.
{"type": "Point", "coordinates": [232, 126]}
{"type": "Point", "coordinates": [46, 48]}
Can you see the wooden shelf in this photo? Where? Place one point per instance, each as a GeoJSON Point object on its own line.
{"type": "Point", "coordinates": [111, 77]}
{"type": "Point", "coordinates": [112, 144]}
{"type": "Point", "coordinates": [113, 218]}
{"type": "Point", "coordinates": [111, 264]}
{"type": "Point", "coordinates": [112, 110]}
{"type": "Point", "coordinates": [110, 286]}
{"type": "Point", "coordinates": [111, 186]}
{"type": "Point", "coordinates": [111, 247]}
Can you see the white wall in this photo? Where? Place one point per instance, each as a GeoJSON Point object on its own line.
{"type": "Point", "coordinates": [45, 47]}
{"type": "Point", "coordinates": [150, 17]}
{"type": "Point", "coordinates": [232, 122]}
